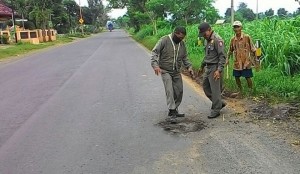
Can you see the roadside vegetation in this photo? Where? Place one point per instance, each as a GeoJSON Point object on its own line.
{"type": "Point", "coordinates": [61, 15]}
{"type": "Point", "coordinates": [20, 48]}
{"type": "Point", "coordinates": [148, 20]}
{"type": "Point", "coordinates": [279, 76]}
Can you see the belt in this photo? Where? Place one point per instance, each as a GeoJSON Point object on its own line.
{"type": "Point", "coordinates": [210, 64]}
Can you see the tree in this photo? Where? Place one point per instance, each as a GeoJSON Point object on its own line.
{"type": "Point", "coordinates": [41, 13]}
{"type": "Point", "coordinates": [281, 12]}
{"type": "Point", "coordinates": [156, 9]}
{"type": "Point", "coordinates": [97, 11]}
{"type": "Point", "coordinates": [228, 13]}
{"type": "Point", "coordinates": [297, 12]}
{"type": "Point", "coordinates": [261, 15]}
{"type": "Point", "coordinates": [242, 5]}
{"type": "Point", "coordinates": [123, 21]}
{"type": "Point", "coordinates": [246, 12]}
{"type": "Point", "coordinates": [269, 13]}
{"type": "Point", "coordinates": [194, 11]}
{"type": "Point", "coordinates": [72, 10]}
{"type": "Point", "coordinates": [135, 11]}
{"type": "Point", "coordinates": [182, 12]}
{"type": "Point", "coordinates": [87, 15]}
{"type": "Point", "coordinates": [118, 3]}
{"type": "Point", "coordinates": [238, 16]}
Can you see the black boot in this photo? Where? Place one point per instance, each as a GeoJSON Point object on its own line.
{"type": "Point", "coordinates": [223, 105]}
{"type": "Point", "coordinates": [214, 115]}
{"type": "Point", "coordinates": [172, 116]}
{"type": "Point", "coordinates": [179, 114]}
{"type": "Point", "coordinates": [172, 112]}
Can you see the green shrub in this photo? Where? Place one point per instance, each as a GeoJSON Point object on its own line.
{"type": "Point", "coordinates": [4, 39]}
{"type": "Point", "coordinates": [146, 30]}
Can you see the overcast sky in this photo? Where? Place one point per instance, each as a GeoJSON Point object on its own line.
{"type": "Point", "coordinates": [222, 5]}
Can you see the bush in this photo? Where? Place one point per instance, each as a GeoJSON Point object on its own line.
{"type": "Point", "coordinates": [146, 30]}
{"type": "Point", "coordinates": [4, 39]}
{"type": "Point", "coordinates": [279, 77]}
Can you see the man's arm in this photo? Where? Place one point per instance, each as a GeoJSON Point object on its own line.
{"type": "Point", "coordinates": [155, 54]}
{"type": "Point", "coordinates": [252, 46]}
{"type": "Point", "coordinates": [156, 51]}
{"type": "Point", "coordinates": [186, 62]}
{"type": "Point", "coordinates": [230, 51]}
{"type": "Point", "coordinates": [221, 53]}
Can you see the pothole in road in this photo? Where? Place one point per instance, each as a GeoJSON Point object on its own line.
{"type": "Point", "coordinates": [182, 126]}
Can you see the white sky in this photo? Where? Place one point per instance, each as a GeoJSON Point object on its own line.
{"type": "Point", "coordinates": [222, 5]}
{"type": "Point", "coordinates": [115, 13]}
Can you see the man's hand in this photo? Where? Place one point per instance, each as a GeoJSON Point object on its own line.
{"type": "Point", "coordinates": [217, 75]}
{"type": "Point", "coordinates": [191, 71]}
{"type": "Point", "coordinates": [157, 71]}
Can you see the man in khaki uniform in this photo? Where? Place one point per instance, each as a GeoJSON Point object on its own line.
{"type": "Point", "coordinates": [243, 49]}
{"type": "Point", "coordinates": [213, 63]}
{"type": "Point", "coordinates": [168, 55]}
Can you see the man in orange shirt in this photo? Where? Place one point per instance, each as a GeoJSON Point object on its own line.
{"type": "Point", "coordinates": [243, 49]}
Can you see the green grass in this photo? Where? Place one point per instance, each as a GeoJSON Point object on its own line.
{"type": "Point", "coordinates": [20, 48]}
{"type": "Point", "coordinates": [279, 77]}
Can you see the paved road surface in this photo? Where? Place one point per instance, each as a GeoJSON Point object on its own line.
{"type": "Point", "coordinates": [93, 106]}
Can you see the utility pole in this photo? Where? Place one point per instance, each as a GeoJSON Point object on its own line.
{"type": "Point", "coordinates": [14, 20]}
{"type": "Point", "coordinates": [256, 9]}
{"type": "Point", "coordinates": [232, 12]}
{"type": "Point", "coordinates": [81, 20]}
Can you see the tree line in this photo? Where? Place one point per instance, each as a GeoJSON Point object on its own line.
{"type": "Point", "coordinates": [62, 15]}
{"type": "Point", "coordinates": [140, 12]}
{"type": "Point", "coordinates": [179, 12]}
{"type": "Point", "coordinates": [243, 13]}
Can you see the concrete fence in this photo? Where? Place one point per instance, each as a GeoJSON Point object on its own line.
{"type": "Point", "coordinates": [32, 36]}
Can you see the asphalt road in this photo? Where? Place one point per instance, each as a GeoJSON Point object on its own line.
{"type": "Point", "coordinates": [94, 106]}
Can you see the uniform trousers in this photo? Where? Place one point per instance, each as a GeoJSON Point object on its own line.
{"type": "Point", "coordinates": [173, 88]}
{"type": "Point", "coordinates": [212, 88]}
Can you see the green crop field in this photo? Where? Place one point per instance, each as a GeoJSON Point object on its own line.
{"type": "Point", "coordinates": [279, 77]}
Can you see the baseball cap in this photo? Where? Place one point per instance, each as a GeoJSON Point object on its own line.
{"type": "Point", "coordinates": [203, 27]}
{"type": "Point", "coordinates": [237, 23]}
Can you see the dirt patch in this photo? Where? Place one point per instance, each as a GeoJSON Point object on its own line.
{"type": "Point", "coordinates": [183, 126]}
{"type": "Point", "coordinates": [282, 120]}
{"type": "Point", "coordinates": [281, 111]}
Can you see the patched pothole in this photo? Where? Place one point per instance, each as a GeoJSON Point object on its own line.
{"type": "Point", "coordinates": [182, 126]}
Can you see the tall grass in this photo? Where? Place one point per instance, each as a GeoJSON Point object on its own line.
{"type": "Point", "coordinates": [280, 40]}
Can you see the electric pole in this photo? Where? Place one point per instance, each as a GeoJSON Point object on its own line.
{"type": "Point", "coordinates": [232, 12]}
{"type": "Point", "coordinates": [80, 20]}
{"type": "Point", "coordinates": [256, 9]}
{"type": "Point", "coordinates": [14, 21]}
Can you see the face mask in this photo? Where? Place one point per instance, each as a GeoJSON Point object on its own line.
{"type": "Point", "coordinates": [176, 39]}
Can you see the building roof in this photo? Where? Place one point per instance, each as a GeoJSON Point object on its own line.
{"type": "Point", "coordinates": [5, 11]}
{"type": "Point", "coordinates": [220, 21]}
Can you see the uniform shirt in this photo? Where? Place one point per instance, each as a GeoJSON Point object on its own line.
{"type": "Point", "coordinates": [168, 55]}
{"type": "Point", "coordinates": [243, 51]}
{"type": "Point", "coordinates": [214, 52]}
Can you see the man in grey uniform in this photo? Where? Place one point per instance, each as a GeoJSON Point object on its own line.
{"type": "Point", "coordinates": [168, 55]}
{"type": "Point", "coordinates": [213, 63]}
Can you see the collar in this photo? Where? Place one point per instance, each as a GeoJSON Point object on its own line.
{"type": "Point", "coordinates": [211, 37]}
{"type": "Point", "coordinates": [242, 36]}
{"type": "Point", "coordinates": [171, 35]}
